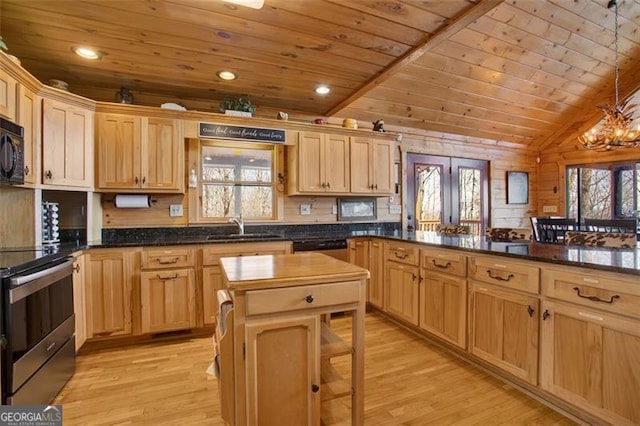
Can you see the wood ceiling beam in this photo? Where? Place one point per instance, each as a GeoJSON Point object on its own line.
{"type": "Point", "coordinates": [457, 24]}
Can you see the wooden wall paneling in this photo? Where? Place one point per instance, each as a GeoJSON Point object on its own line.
{"type": "Point", "coordinates": [17, 213]}
{"type": "Point", "coordinates": [156, 215]}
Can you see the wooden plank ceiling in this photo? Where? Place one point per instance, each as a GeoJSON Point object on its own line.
{"type": "Point", "coordinates": [527, 72]}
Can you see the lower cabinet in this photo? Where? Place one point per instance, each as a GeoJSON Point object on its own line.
{"type": "Point", "coordinates": [375, 292]}
{"type": "Point", "coordinates": [401, 291]}
{"type": "Point", "coordinates": [79, 300]}
{"type": "Point", "coordinates": [283, 363]}
{"type": "Point", "coordinates": [504, 328]}
{"type": "Point", "coordinates": [590, 358]}
{"type": "Point", "coordinates": [443, 307]}
{"type": "Point", "coordinates": [109, 283]}
{"type": "Point", "coordinates": [168, 300]}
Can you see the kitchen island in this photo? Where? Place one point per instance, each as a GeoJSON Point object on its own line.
{"type": "Point", "coordinates": [276, 345]}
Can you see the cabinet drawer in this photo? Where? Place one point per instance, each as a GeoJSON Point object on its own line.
{"type": "Point", "coordinates": [506, 273]}
{"type": "Point", "coordinates": [167, 257]}
{"type": "Point", "coordinates": [211, 254]}
{"type": "Point", "coordinates": [303, 297]}
{"type": "Point", "coordinates": [402, 253]}
{"type": "Point", "coordinates": [444, 261]}
{"type": "Point", "coordinates": [596, 291]}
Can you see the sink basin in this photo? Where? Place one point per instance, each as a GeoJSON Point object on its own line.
{"type": "Point", "coordinates": [250, 236]}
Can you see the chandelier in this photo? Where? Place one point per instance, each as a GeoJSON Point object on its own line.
{"type": "Point", "coordinates": [616, 129]}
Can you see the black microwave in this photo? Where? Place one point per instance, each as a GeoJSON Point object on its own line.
{"type": "Point", "coordinates": [11, 153]}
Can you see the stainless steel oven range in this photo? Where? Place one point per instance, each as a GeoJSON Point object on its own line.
{"type": "Point", "coordinates": [38, 324]}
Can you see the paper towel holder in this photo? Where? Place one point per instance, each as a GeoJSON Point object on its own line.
{"type": "Point", "coordinates": [128, 201]}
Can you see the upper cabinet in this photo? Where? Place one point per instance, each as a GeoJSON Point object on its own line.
{"type": "Point", "coordinates": [139, 153]}
{"type": "Point", "coordinates": [372, 166]}
{"type": "Point", "coordinates": [7, 96]}
{"type": "Point", "coordinates": [67, 144]}
{"type": "Point", "coordinates": [335, 164]}
{"type": "Point", "coordinates": [321, 163]}
{"type": "Point", "coordinates": [28, 116]}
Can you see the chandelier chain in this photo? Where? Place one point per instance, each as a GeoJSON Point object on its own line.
{"type": "Point", "coordinates": [615, 31]}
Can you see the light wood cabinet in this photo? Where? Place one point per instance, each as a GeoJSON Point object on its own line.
{"type": "Point", "coordinates": [79, 301]}
{"type": "Point", "coordinates": [320, 162]}
{"type": "Point", "coordinates": [375, 294]}
{"type": "Point", "coordinates": [212, 274]}
{"type": "Point", "coordinates": [401, 283]}
{"type": "Point", "coordinates": [7, 96]}
{"type": "Point", "coordinates": [29, 118]}
{"type": "Point", "coordinates": [504, 329]}
{"type": "Point", "coordinates": [167, 289]}
{"type": "Point", "coordinates": [109, 282]}
{"type": "Point", "coordinates": [139, 153]}
{"type": "Point", "coordinates": [443, 295]}
{"type": "Point", "coordinates": [67, 144]}
{"type": "Point", "coordinates": [372, 163]}
{"type": "Point", "coordinates": [359, 255]}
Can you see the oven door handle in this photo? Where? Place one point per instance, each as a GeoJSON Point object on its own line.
{"type": "Point", "coordinates": [26, 285]}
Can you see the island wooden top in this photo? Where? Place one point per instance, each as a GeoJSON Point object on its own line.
{"type": "Point", "coordinates": [286, 270]}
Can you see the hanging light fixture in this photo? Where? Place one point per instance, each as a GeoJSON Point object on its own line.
{"type": "Point", "coordinates": [616, 129]}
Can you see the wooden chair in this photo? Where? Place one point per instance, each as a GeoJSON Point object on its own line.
{"type": "Point", "coordinates": [612, 225]}
{"type": "Point", "coordinates": [553, 230]}
{"type": "Point", "coordinates": [453, 229]}
{"type": "Point", "coordinates": [507, 234]}
{"type": "Point", "coordinates": [600, 239]}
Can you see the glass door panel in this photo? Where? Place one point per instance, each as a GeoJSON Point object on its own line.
{"type": "Point", "coordinates": [428, 197]}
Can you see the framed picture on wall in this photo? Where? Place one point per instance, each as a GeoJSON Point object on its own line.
{"type": "Point", "coordinates": [517, 188]}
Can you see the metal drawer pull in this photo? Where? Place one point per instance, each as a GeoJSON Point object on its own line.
{"type": "Point", "coordinates": [309, 299]}
{"type": "Point", "coordinates": [404, 255]}
{"type": "Point", "coordinates": [172, 277]}
{"type": "Point", "coordinates": [545, 314]}
{"type": "Point", "coordinates": [530, 310]}
{"type": "Point", "coordinates": [498, 277]}
{"type": "Point", "coordinates": [596, 298]}
{"type": "Point", "coordinates": [445, 266]}
{"type": "Point", "coordinates": [168, 262]}
{"type": "Point", "coordinates": [315, 388]}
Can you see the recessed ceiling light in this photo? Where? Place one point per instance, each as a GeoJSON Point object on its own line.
{"type": "Point", "coordinates": [226, 75]}
{"type": "Point", "coordinates": [86, 52]}
{"type": "Point", "coordinates": [254, 4]}
{"type": "Point", "coordinates": [322, 90]}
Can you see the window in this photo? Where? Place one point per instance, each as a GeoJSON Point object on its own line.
{"type": "Point", "coordinates": [606, 191]}
{"type": "Point", "coordinates": [237, 179]}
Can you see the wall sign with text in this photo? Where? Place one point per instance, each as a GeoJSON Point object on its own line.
{"type": "Point", "coordinates": [224, 131]}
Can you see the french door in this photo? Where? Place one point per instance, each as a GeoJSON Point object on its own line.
{"type": "Point", "coordinates": [446, 190]}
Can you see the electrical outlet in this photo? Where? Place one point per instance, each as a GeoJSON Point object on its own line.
{"type": "Point", "coordinates": [175, 210]}
{"type": "Point", "coordinates": [305, 209]}
{"type": "Point", "coordinates": [395, 209]}
{"type": "Point", "coordinates": [549, 209]}
{"type": "Point", "coordinates": [334, 209]}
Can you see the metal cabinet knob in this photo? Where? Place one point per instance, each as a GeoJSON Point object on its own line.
{"type": "Point", "coordinates": [309, 299]}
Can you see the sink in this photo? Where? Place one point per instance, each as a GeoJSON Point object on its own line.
{"type": "Point", "coordinates": [249, 236]}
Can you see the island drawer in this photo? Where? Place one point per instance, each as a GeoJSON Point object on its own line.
{"type": "Point", "coordinates": [167, 257]}
{"type": "Point", "coordinates": [504, 272]}
{"type": "Point", "coordinates": [403, 253]}
{"type": "Point", "coordinates": [444, 261]}
{"type": "Point", "coordinates": [603, 291]}
{"type": "Point", "coordinates": [211, 254]}
{"type": "Point", "coordinates": [303, 297]}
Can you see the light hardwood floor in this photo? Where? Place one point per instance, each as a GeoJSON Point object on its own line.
{"type": "Point", "coordinates": [408, 381]}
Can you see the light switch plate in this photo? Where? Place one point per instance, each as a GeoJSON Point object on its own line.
{"type": "Point", "coordinates": [334, 209]}
{"type": "Point", "coordinates": [305, 209]}
{"type": "Point", "coordinates": [549, 209]}
{"type": "Point", "coordinates": [395, 209]}
{"type": "Point", "coordinates": [175, 210]}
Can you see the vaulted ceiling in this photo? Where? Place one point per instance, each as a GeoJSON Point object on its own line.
{"type": "Point", "coordinates": [528, 72]}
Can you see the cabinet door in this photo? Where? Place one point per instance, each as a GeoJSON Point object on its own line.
{"type": "Point", "coordinates": [168, 300]}
{"type": "Point", "coordinates": [504, 330]}
{"type": "Point", "coordinates": [382, 164]}
{"type": "Point", "coordinates": [311, 168]}
{"type": "Point", "coordinates": [118, 151]}
{"type": "Point", "coordinates": [336, 160]}
{"type": "Point", "coordinates": [283, 371]}
{"type": "Point", "coordinates": [590, 358]}
{"type": "Point", "coordinates": [67, 142]}
{"type": "Point", "coordinates": [211, 283]}
{"type": "Point", "coordinates": [7, 96]}
{"type": "Point", "coordinates": [402, 291]}
{"type": "Point", "coordinates": [443, 306]}
{"type": "Point", "coordinates": [79, 304]}
{"type": "Point", "coordinates": [109, 278]}
{"type": "Point", "coordinates": [376, 268]}
{"type": "Point", "coordinates": [361, 179]}
{"type": "Point", "coordinates": [161, 155]}
{"type": "Point", "coordinates": [29, 119]}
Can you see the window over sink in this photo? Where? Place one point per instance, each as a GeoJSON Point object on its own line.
{"type": "Point", "coordinates": [237, 179]}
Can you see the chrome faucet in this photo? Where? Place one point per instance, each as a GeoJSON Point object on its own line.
{"type": "Point", "coordinates": [238, 221]}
